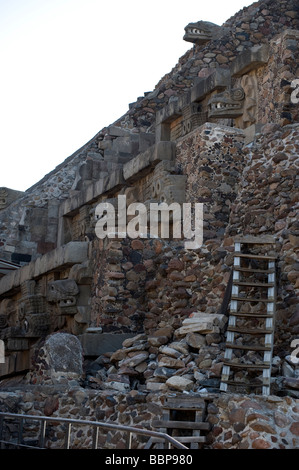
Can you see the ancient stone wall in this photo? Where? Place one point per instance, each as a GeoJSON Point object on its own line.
{"type": "Point", "coordinates": [29, 224]}
{"type": "Point", "coordinates": [268, 189]}
{"type": "Point", "coordinates": [236, 422]}
{"type": "Point", "coordinates": [251, 26]}
{"type": "Point", "coordinates": [150, 314]}
{"type": "Point", "coordinates": [258, 23]}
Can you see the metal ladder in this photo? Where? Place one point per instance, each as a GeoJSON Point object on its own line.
{"type": "Point", "coordinates": [250, 273]}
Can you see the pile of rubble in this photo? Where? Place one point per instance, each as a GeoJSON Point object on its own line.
{"type": "Point", "coordinates": [185, 359]}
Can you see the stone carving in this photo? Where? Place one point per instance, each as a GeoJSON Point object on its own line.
{"type": "Point", "coordinates": [167, 187]}
{"type": "Point", "coordinates": [31, 302]}
{"type": "Point", "coordinates": [63, 293]}
{"type": "Point", "coordinates": [228, 104]}
{"type": "Point", "coordinates": [3, 198]}
{"type": "Point", "coordinates": [249, 116]}
{"type": "Point", "coordinates": [201, 32]}
{"type": "Point", "coordinates": [7, 196]}
{"type": "Point", "coordinates": [33, 321]}
{"type": "Point", "coordinates": [57, 359]}
{"type": "Point", "coordinates": [193, 117]}
{"type": "Point", "coordinates": [26, 318]}
{"type": "Point", "coordinates": [7, 309]}
{"type": "Point", "coordinates": [238, 103]}
{"type": "Point", "coordinates": [34, 326]}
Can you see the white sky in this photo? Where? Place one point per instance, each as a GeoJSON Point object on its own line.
{"type": "Point", "coordinates": [71, 67]}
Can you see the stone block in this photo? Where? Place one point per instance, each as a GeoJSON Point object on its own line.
{"type": "Point", "coordinates": [180, 383]}
{"type": "Point", "coordinates": [63, 354]}
{"type": "Point", "coordinates": [115, 131]}
{"type": "Point", "coordinates": [95, 344]}
{"type": "Point", "coordinates": [218, 80]}
{"type": "Point", "coordinates": [17, 344]}
{"type": "Point", "coordinates": [146, 140]}
{"type": "Point", "coordinates": [202, 323]}
{"type": "Point", "coordinates": [67, 255]}
{"type": "Point", "coordinates": [250, 59]}
{"type": "Point", "coordinates": [126, 147]}
{"type": "Point", "coordinates": [143, 162]}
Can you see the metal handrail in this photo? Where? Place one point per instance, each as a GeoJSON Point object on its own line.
{"type": "Point", "coordinates": [95, 424]}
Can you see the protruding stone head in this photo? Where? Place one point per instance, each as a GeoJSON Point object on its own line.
{"type": "Point", "coordinates": [201, 32]}
{"type": "Point", "coordinates": [228, 104]}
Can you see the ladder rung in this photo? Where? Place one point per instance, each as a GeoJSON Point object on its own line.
{"type": "Point", "coordinates": [252, 315]}
{"type": "Point", "coordinates": [252, 256]}
{"type": "Point", "coordinates": [251, 270]}
{"type": "Point", "coordinates": [248, 348]}
{"type": "Point", "coordinates": [255, 240]}
{"type": "Point", "coordinates": [254, 284]}
{"type": "Point", "coordinates": [252, 331]}
{"type": "Point", "coordinates": [181, 425]}
{"type": "Point", "coordinates": [249, 384]}
{"type": "Point", "coordinates": [247, 366]}
{"type": "Point", "coordinates": [251, 299]}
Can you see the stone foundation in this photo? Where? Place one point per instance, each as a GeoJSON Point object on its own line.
{"type": "Point", "coordinates": [237, 422]}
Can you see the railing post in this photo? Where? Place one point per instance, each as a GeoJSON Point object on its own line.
{"type": "Point", "coordinates": [20, 434]}
{"type": "Point", "coordinates": [42, 433]}
{"type": "Point", "coordinates": [68, 435]}
{"type": "Point", "coordinates": [130, 441]}
{"type": "Point", "coordinates": [95, 437]}
{"type": "Point", "coordinates": [1, 431]}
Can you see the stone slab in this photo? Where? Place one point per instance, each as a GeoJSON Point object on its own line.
{"type": "Point", "coordinates": [67, 255]}
{"type": "Point", "coordinates": [133, 169]}
{"type": "Point", "coordinates": [95, 344]}
{"type": "Point", "coordinates": [218, 80]}
{"type": "Point", "coordinates": [250, 59]}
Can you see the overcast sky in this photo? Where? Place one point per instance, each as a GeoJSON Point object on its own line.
{"type": "Point", "coordinates": [71, 67]}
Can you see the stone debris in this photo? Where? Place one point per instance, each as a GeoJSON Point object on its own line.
{"type": "Point", "coordinates": [168, 359]}
{"type": "Point", "coordinates": [186, 360]}
{"type": "Point", "coordinates": [201, 323]}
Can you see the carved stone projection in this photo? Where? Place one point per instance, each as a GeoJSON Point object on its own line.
{"type": "Point", "coordinates": [250, 108]}
{"type": "Point", "coordinates": [226, 93]}
{"type": "Point", "coordinates": [7, 314]}
{"type": "Point", "coordinates": [63, 294]}
{"type": "Point", "coordinates": [25, 318]}
{"type": "Point", "coordinates": [166, 186]}
{"type": "Point", "coordinates": [33, 321]}
{"type": "Point", "coordinates": [236, 103]}
{"type": "Point", "coordinates": [228, 104]}
{"type": "Point", "coordinates": [193, 117]}
{"type": "Point", "coordinates": [7, 196]}
{"type": "Point", "coordinates": [201, 32]}
{"type": "Point", "coordinates": [3, 198]}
